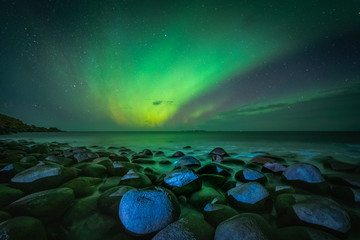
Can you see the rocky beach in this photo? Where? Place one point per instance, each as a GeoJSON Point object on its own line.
{"type": "Point", "coordinates": [56, 191]}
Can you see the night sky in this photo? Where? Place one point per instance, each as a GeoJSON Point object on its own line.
{"type": "Point", "coordinates": [181, 65]}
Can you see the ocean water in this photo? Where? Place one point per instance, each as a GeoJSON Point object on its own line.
{"type": "Point", "coordinates": [303, 146]}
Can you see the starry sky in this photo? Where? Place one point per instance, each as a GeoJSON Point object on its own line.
{"type": "Point", "coordinates": [243, 65]}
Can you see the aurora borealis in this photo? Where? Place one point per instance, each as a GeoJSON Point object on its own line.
{"type": "Point", "coordinates": [175, 65]}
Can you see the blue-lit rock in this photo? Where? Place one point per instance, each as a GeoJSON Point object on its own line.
{"type": "Point", "coordinates": [306, 176]}
{"type": "Point", "coordinates": [135, 179]}
{"type": "Point", "coordinates": [250, 196]}
{"type": "Point", "coordinates": [145, 211]}
{"type": "Point", "coordinates": [9, 171]}
{"type": "Point", "coordinates": [19, 228]}
{"type": "Point", "coordinates": [187, 228]}
{"type": "Point", "coordinates": [244, 226]}
{"type": "Point", "coordinates": [187, 161]}
{"type": "Point", "coordinates": [215, 213]}
{"type": "Point", "coordinates": [109, 200]}
{"type": "Point", "coordinates": [273, 167]}
{"type": "Point", "coordinates": [48, 204]}
{"type": "Point", "coordinates": [41, 177]}
{"type": "Point", "coordinates": [249, 175]}
{"type": "Point", "coordinates": [313, 211]}
{"type": "Point", "coordinates": [182, 181]}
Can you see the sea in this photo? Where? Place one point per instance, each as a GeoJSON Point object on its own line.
{"type": "Point", "coordinates": [305, 146]}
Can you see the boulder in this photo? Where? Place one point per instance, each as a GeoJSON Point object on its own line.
{"type": "Point", "coordinates": [245, 226]}
{"type": "Point", "coordinates": [189, 228]}
{"type": "Point", "coordinates": [48, 204]}
{"type": "Point", "coordinates": [41, 177]}
{"type": "Point", "coordinates": [219, 151]}
{"type": "Point", "coordinates": [312, 211]}
{"type": "Point", "coordinates": [251, 197]}
{"type": "Point", "coordinates": [81, 209]}
{"type": "Point", "coordinates": [135, 179]}
{"type": "Point", "coordinates": [182, 181]}
{"type": "Point", "coordinates": [273, 167]}
{"type": "Point", "coordinates": [249, 175]}
{"type": "Point", "coordinates": [215, 213]}
{"type": "Point", "coordinates": [85, 156]}
{"type": "Point", "coordinates": [146, 211]}
{"type": "Point", "coordinates": [187, 161]}
{"type": "Point", "coordinates": [60, 160]}
{"type": "Point", "coordinates": [121, 168]}
{"type": "Point", "coordinates": [177, 154]}
{"type": "Point", "coordinates": [82, 186]}
{"type": "Point", "coordinates": [94, 170]}
{"type": "Point", "coordinates": [349, 194]}
{"type": "Point", "coordinates": [20, 228]}
{"type": "Point", "coordinates": [215, 168]}
{"type": "Point", "coordinates": [306, 176]}
{"type": "Point", "coordinates": [347, 179]}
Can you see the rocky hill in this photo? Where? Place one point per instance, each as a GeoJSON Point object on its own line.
{"type": "Point", "coordinates": [12, 125]}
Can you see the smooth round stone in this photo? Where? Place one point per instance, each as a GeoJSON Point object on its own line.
{"type": "Point", "coordinates": [29, 159]}
{"type": "Point", "coordinates": [121, 168]}
{"type": "Point", "coordinates": [177, 154]}
{"type": "Point", "coordinates": [189, 228]}
{"type": "Point", "coordinates": [303, 172]}
{"type": "Point", "coordinates": [46, 204]}
{"type": "Point", "coordinates": [20, 228]}
{"type": "Point", "coordinates": [219, 151]}
{"type": "Point", "coordinates": [250, 196]}
{"type": "Point", "coordinates": [41, 177]}
{"type": "Point", "coordinates": [135, 179]}
{"type": "Point", "coordinates": [187, 161]}
{"type": "Point", "coordinates": [82, 186]}
{"type": "Point", "coordinates": [182, 181]}
{"type": "Point", "coordinates": [313, 211]}
{"type": "Point", "coordinates": [324, 212]}
{"type": "Point", "coordinates": [94, 170]}
{"type": "Point", "coordinates": [273, 167]}
{"type": "Point", "coordinates": [248, 175]}
{"type": "Point", "coordinates": [145, 211]}
{"type": "Point", "coordinates": [244, 226]}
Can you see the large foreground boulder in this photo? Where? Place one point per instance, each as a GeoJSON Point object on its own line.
{"type": "Point", "coordinates": [145, 211]}
{"type": "Point", "coordinates": [244, 226]}
{"type": "Point", "coordinates": [312, 211]}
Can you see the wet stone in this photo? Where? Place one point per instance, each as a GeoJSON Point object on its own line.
{"type": "Point", "coordinates": [249, 175]}
{"type": "Point", "coordinates": [215, 213]}
{"type": "Point", "coordinates": [135, 179]}
{"type": "Point", "coordinates": [252, 197]}
{"type": "Point", "coordinates": [109, 200]}
{"type": "Point", "coordinates": [182, 181]}
{"type": "Point", "coordinates": [187, 161]}
{"type": "Point", "coordinates": [31, 228]}
{"type": "Point", "coordinates": [145, 211]}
